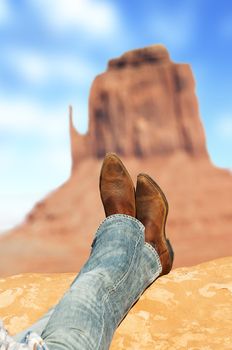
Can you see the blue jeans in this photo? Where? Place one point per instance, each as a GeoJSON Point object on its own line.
{"type": "Point", "coordinates": [120, 267]}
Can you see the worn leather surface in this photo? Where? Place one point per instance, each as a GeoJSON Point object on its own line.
{"type": "Point", "coordinates": [116, 187]}
{"type": "Point", "coordinates": [152, 211]}
{"type": "Point", "coordinates": [190, 308]}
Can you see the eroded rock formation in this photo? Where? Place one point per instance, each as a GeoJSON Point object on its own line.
{"type": "Point", "coordinates": [143, 105]}
{"type": "Point", "coordinates": [190, 308]}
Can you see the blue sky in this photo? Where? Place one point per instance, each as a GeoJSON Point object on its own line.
{"type": "Point", "coordinates": [52, 50]}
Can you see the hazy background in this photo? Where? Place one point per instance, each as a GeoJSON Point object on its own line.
{"type": "Point", "coordinates": [51, 50]}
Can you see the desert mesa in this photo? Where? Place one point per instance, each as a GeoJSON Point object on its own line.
{"type": "Point", "coordinates": [144, 108]}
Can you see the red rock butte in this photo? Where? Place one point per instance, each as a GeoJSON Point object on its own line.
{"type": "Point", "coordinates": [145, 109]}
{"type": "Point", "coordinates": [143, 105]}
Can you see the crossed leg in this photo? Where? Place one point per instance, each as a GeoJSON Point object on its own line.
{"type": "Point", "coordinates": [127, 255]}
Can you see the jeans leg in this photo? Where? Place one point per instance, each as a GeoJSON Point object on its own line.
{"type": "Point", "coordinates": [120, 267]}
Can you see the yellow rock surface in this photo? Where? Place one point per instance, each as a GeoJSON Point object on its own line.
{"type": "Point", "coordinates": [191, 308]}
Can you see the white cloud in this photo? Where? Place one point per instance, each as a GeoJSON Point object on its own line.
{"type": "Point", "coordinates": [5, 12]}
{"type": "Point", "coordinates": [32, 67]}
{"type": "Point", "coordinates": [44, 130]}
{"type": "Point", "coordinates": [224, 126]}
{"type": "Point", "coordinates": [96, 18]}
{"type": "Point", "coordinates": [175, 29]}
{"type": "Point", "coordinates": [13, 209]}
{"type": "Point", "coordinates": [25, 116]}
{"type": "Point", "coordinates": [38, 68]}
{"type": "Point", "coordinates": [27, 176]}
{"type": "Point", "coordinates": [32, 133]}
{"type": "Point", "coordinates": [34, 155]}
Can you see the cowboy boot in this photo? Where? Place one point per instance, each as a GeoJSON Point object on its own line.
{"type": "Point", "coordinates": [116, 187]}
{"type": "Point", "coordinates": [152, 211]}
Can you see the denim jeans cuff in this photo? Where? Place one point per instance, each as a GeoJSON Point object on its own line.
{"type": "Point", "coordinates": [152, 256]}
{"type": "Point", "coordinates": [117, 217]}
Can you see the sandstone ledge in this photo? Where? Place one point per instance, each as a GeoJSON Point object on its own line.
{"type": "Point", "coordinates": [188, 309]}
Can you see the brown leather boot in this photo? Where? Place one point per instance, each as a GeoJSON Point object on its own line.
{"type": "Point", "coordinates": [116, 187]}
{"type": "Point", "coordinates": [152, 211]}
